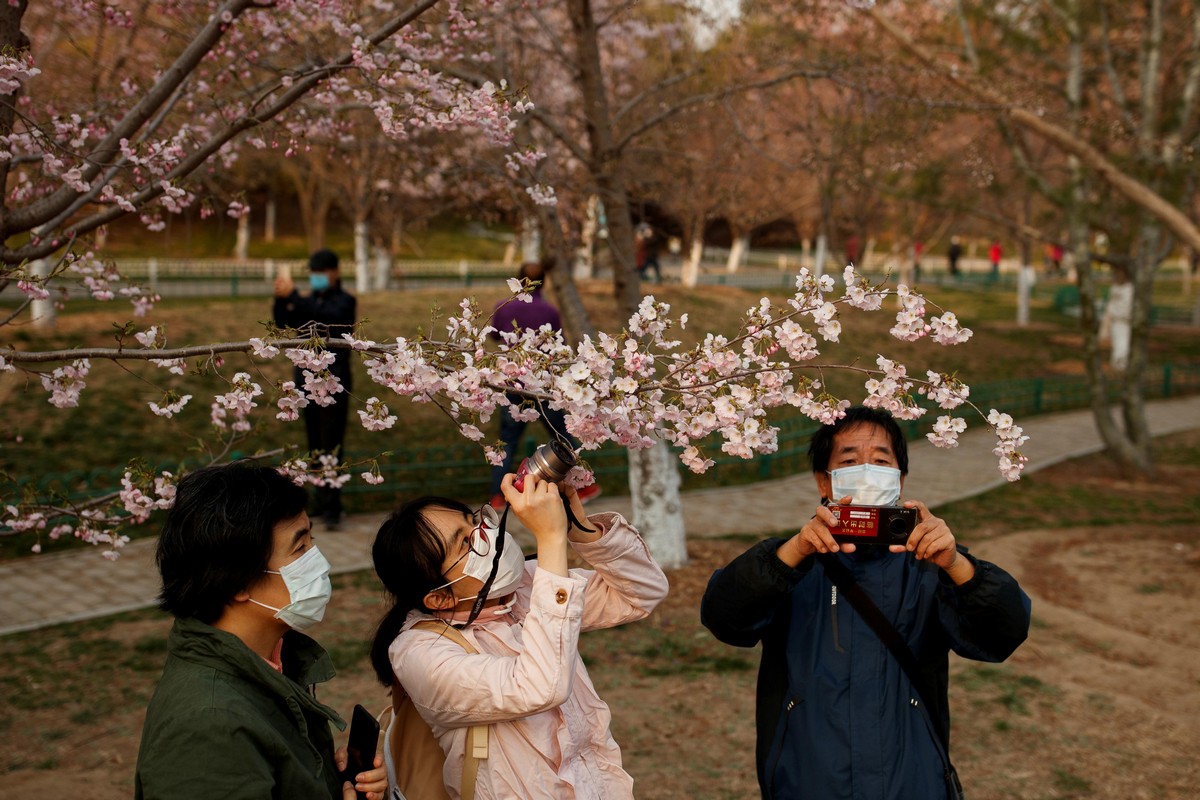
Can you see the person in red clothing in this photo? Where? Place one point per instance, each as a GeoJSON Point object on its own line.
{"type": "Point", "coordinates": [510, 316]}
{"type": "Point", "coordinates": [994, 254]}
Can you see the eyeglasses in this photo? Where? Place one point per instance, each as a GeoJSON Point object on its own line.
{"type": "Point", "coordinates": [479, 541]}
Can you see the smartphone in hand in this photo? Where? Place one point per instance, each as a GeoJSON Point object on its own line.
{"type": "Point", "coordinates": [360, 750]}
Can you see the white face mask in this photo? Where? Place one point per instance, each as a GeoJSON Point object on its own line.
{"type": "Point", "coordinates": [309, 590]}
{"type": "Point", "coordinates": [511, 571]}
{"type": "Point", "coordinates": [868, 484]}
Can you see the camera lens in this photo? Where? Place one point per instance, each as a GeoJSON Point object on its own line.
{"type": "Point", "coordinates": [552, 461]}
{"type": "Point", "coordinates": [897, 527]}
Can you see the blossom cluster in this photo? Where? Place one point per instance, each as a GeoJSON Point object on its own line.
{"type": "Point", "coordinates": [77, 160]}
{"type": "Point", "coordinates": [633, 388]}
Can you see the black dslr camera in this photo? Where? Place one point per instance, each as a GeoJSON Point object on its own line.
{"type": "Point", "coordinates": [878, 525]}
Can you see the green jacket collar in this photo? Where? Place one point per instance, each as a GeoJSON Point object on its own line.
{"type": "Point", "coordinates": [305, 663]}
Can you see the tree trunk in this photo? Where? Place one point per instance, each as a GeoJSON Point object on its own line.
{"type": "Point", "coordinates": [383, 267]}
{"type": "Point", "coordinates": [397, 234]}
{"type": "Point", "coordinates": [269, 217]}
{"type": "Point", "coordinates": [241, 246]}
{"type": "Point", "coordinates": [13, 42]}
{"type": "Point", "coordinates": [531, 239]}
{"type": "Point", "coordinates": [737, 252]}
{"type": "Point", "coordinates": [362, 257]}
{"type": "Point", "coordinates": [575, 319]}
{"type": "Point", "coordinates": [657, 507]}
{"type": "Point", "coordinates": [41, 312]}
{"type": "Point", "coordinates": [649, 490]}
{"type": "Point", "coordinates": [691, 265]}
{"type": "Point", "coordinates": [585, 267]}
{"type": "Point", "coordinates": [822, 254]}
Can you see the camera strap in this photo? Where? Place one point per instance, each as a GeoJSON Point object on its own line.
{"type": "Point", "coordinates": [842, 578]}
{"type": "Point", "coordinates": [482, 597]}
{"type": "Point", "coordinates": [572, 519]}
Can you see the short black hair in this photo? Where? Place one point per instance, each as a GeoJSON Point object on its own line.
{"type": "Point", "coordinates": [820, 448]}
{"type": "Point", "coordinates": [323, 260]}
{"type": "Point", "coordinates": [218, 536]}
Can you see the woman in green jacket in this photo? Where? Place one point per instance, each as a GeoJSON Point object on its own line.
{"type": "Point", "coordinates": [235, 714]}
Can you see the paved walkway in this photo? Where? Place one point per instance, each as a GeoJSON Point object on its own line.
{"type": "Point", "coordinates": [47, 590]}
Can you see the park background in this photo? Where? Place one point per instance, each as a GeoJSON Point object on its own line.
{"type": "Point", "coordinates": [788, 135]}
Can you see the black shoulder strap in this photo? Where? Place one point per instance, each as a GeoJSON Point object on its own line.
{"type": "Point", "coordinates": [887, 633]}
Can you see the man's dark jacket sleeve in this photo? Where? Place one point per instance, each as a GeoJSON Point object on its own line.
{"type": "Point", "coordinates": [743, 599]}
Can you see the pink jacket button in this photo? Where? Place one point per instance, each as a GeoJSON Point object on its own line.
{"type": "Point", "coordinates": [561, 596]}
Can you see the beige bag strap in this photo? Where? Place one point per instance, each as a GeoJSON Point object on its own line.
{"type": "Point", "coordinates": [477, 735]}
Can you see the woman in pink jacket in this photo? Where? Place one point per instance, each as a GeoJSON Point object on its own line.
{"type": "Point", "coordinates": [548, 729]}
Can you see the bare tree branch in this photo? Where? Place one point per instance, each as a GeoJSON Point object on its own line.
{"type": "Point", "coordinates": [697, 100]}
{"type": "Point", "coordinates": [1133, 189]}
{"type": "Point", "coordinates": [198, 157]}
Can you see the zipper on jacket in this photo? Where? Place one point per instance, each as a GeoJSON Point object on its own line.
{"type": "Point", "coordinates": [782, 738]}
{"type": "Point", "coordinates": [837, 645]}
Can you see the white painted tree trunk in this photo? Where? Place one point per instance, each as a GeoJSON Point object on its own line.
{"type": "Point", "coordinates": [1118, 312]}
{"type": "Point", "coordinates": [383, 268]}
{"type": "Point", "coordinates": [657, 508]}
{"type": "Point", "coordinates": [362, 257]}
{"type": "Point", "coordinates": [903, 265]}
{"type": "Point", "coordinates": [822, 254]}
{"type": "Point", "coordinates": [269, 219]}
{"type": "Point", "coordinates": [42, 311]}
{"type": "Point", "coordinates": [531, 239]}
{"type": "Point", "coordinates": [1026, 278]}
{"type": "Point", "coordinates": [691, 264]}
{"type": "Point", "coordinates": [241, 246]}
{"type": "Point", "coordinates": [737, 252]}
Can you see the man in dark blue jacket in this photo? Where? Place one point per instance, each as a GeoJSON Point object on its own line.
{"type": "Point", "coordinates": [836, 714]}
{"type": "Point", "coordinates": [331, 311]}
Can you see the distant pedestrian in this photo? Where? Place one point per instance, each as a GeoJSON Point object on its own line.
{"type": "Point", "coordinates": [918, 249]}
{"type": "Point", "coordinates": [331, 310]}
{"type": "Point", "coordinates": [648, 247]}
{"type": "Point", "coordinates": [852, 249]}
{"type": "Point", "coordinates": [1056, 257]}
{"type": "Point", "coordinates": [515, 316]}
{"type": "Point", "coordinates": [954, 254]}
{"type": "Point", "coordinates": [995, 253]}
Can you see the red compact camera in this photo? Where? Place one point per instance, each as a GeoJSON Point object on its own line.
{"type": "Point", "coordinates": [880, 525]}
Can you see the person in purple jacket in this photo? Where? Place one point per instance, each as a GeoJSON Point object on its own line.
{"type": "Point", "coordinates": [510, 316]}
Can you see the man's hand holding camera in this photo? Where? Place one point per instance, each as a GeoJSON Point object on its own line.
{"type": "Point", "coordinates": [933, 541]}
{"type": "Point", "coordinates": [930, 540]}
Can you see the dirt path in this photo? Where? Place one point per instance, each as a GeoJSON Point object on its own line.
{"type": "Point", "coordinates": [1106, 686]}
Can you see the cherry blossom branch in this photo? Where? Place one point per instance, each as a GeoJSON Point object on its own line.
{"type": "Point", "coordinates": [631, 389]}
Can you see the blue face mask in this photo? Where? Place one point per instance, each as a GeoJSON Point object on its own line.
{"type": "Point", "coordinates": [319, 281]}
